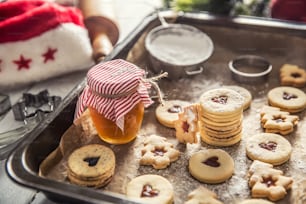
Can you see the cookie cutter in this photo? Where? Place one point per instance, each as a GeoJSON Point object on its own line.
{"type": "Point", "coordinates": [5, 103]}
{"type": "Point", "coordinates": [35, 106]}
{"type": "Point", "coordinates": [31, 109]}
{"type": "Point", "coordinates": [250, 68]}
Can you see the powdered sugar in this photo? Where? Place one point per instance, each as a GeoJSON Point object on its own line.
{"type": "Point", "coordinates": [181, 46]}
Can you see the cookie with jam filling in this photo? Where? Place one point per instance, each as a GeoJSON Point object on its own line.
{"type": "Point", "coordinates": [292, 75]}
{"type": "Point", "coordinates": [150, 188]}
{"type": "Point", "coordinates": [167, 113]}
{"type": "Point", "coordinates": [268, 147]}
{"type": "Point", "coordinates": [211, 166]}
{"type": "Point", "coordinates": [267, 182]}
{"type": "Point", "coordinates": [91, 165]}
{"type": "Point", "coordinates": [290, 99]}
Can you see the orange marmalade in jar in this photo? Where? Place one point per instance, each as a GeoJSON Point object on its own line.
{"type": "Point", "coordinates": [116, 96]}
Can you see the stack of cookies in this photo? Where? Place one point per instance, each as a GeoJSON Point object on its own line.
{"type": "Point", "coordinates": [91, 165]}
{"type": "Point", "coordinates": [220, 117]}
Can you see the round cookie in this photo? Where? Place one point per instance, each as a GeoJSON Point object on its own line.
{"type": "Point", "coordinates": [220, 118]}
{"type": "Point", "coordinates": [244, 92]}
{"type": "Point", "coordinates": [91, 165]}
{"type": "Point", "coordinates": [168, 112]}
{"type": "Point", "coordinates": [150, 188]}
{"type": "Point", "coordinates": [211, 166]}
{"type": "Point", "coordinates": [221, 101]}
{"type": "Point", "coordinates": [220, 142]}
{"type": "Point", "coordinates": [221, 133]}
{"type": "Point", "coordinates": [268, 147]}
{"type": "Point", "coordinates": [211, 123]}
{"type": "Point", "coordinates": [255, 201]}
{"type": "Point", "coordinates": [287, 98]}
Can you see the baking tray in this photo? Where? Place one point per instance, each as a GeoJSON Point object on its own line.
{"type": "Point", "coordinates": [278, 41]}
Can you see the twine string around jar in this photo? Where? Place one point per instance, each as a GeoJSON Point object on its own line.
{"type": "Point", "coordinates": [152, 81]}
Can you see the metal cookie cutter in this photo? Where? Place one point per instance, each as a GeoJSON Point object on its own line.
{"type": "Point", "coordinates": [250, 69]}
{"type": "Point", "coordinates": [31, 109]}
{"type": "Point", "coordinates": [35, 106]}
{"type": "Point", "coordinates": [5, 103]}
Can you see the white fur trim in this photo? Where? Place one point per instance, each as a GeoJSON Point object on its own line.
{"type": "Point", "coordinates": [74, 52]}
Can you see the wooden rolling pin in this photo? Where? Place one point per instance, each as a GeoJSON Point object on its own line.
{"type": "Point", "coordinates": [100, 20]}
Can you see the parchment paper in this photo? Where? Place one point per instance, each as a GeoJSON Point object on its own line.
{"type": "Point", "coordinates": [228, 43]}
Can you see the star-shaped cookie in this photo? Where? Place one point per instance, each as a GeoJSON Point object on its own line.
{"type": "Point", "coordinates": [267, 182]}
{"type": "Point", "coordinates": [158, 152]}
{"type": "Point", "coordinates": [276, 121]}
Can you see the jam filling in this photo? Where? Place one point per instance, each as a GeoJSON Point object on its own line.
{"type": "Point", "coordinates": [92, 161]}
{"type": "Point", "coordinates": [185, 126]}
{"type": "Point", "coordinates": [212, 161]}
{"type": "Point", "coordinates": [271, 146]}
{"type": "Point", "coordinates": [159, 152]}
{"type": "Point", "coordinates": [296, 75]}
{"type": "Point", "coordinates": [220, 99]}
{"type": "Point", "coordinates": [175, 109]}
{"type": "Point", "coordinates": [269, 181]}
{"type": "Point", "coordinates": [278, 119]}
{"type": "Point", "coordinates": [288, 96]}
{"type": "Point", "coordinates": [148, 191]}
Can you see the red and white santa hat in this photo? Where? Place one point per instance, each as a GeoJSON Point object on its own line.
{"type": "Point", "coordinates": [40, 40]}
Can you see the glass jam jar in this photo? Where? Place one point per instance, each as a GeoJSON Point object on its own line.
{"type": "Point", "coordinates": [111, 133]}
{"type": "Point", "coordinates": [116, 96]}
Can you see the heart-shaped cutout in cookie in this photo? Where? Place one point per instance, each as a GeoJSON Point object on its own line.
{"type": "Point", "coordinates": [212, 161]}
{"type": "Point", "coordinates": [220, 99]}
{"type": "Point", "coordinates": [149, 191]}
{"type": "Point", "coordinates": [92, 161]}
{"type": "Point", "coordinates": [289, 96]}
{"type": "Point", "coordinates": [175, 109]}
{"type": "Point", "coordinates": [271, 146]}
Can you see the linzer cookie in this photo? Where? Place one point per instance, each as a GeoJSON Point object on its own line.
{"type": "Point", "coordinates": [186, 127]}
{"type": "Point", "coordinates": [292, 75]}
{"type": "Point", "coordinates": [202, 195]}
{"type": "Point", "coordinates": [158, 152]}
{"type": "Point", "coordinates": [221, 141]}
{"type": "Point", "coordinates": [168, 112]}
{"type": "Point", "coordinates": [221, 101]}
{"type": "Point", "coordinates": [211, 166]}
{"type": "Point", "coordinates": [288, 99]}
{"type": "Point", "coordinates": [273, 120]}
{"type": "Point", "coordinates": [220, 117]}
{"type": "Point", "coordinates": [268, 147]}
{"type": "Point", "coordinates": [150, 188]}
{"type": "Point", "coordinates": [91, 165]}
{"type": "Point", "coordinates": [279, 123]}
{"type": "Point", "coordinates": [243, 92]}
{"type": "Point", "coordinates": [267, 182]}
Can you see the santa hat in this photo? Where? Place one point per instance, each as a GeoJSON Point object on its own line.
{"type": "Point", "coordinates": [40, 40]}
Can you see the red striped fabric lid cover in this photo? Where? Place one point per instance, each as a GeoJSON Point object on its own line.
{"type": "Point", "coordinates": [114, 78]}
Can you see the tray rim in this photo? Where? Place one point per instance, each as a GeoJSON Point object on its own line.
{"type": "Point", "coordinates": [15, 164]}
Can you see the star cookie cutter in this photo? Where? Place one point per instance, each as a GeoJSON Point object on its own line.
{"type": "Point", "coordinates": [5, 103]}
{"type": "Point", "coordinates": [35, 106]}
{"type": "Point", "coordinates": [31, 109]}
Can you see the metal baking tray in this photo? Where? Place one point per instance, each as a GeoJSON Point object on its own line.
{"type": "Point", "coordinates": [278, 41]}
